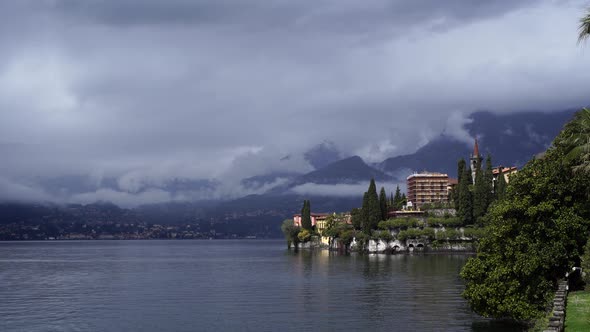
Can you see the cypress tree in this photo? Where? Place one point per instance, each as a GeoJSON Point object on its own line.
{"type": "Point", "coordinates": [397, 199]}
{"type": "Point", "coordinates": [480, 195]}
{"type": "Point", "coordinates": [460, 171]}
{"type": "Point", "coordinates": [306, 216]}
{"type": "Point", "coordinates": [391, 201]}
{"type": "Point", "coordinates": [373, 209]}
{"type": "Point", "coordinates": [383, 203]}
{"type": "Point", "coordinates": [364, 214]}
{"type": "Point", "coordinates": [356, 216]}
{"type": "Point", "coordinates": [404, 199]}
{"type": "Point", "coordinates": [465, 203]}
{"type": "Point", "coordinates": [488, 177]}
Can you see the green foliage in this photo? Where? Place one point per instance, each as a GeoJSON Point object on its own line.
{"type": "Point", "coordinates": [480, 195]}
{"type": "Point", "coordinates": [304, 236]}
{"type": "Point", "coordinates": [501, 185]}
{"type": "Point", "coordinates": [465, 203]}
{"type": "Point", "coordinates": [585, 262]}
{"type": "Point", "coordinates": [371, 209]}
{"type": "Point", "coordinates": [383, 204]}
{"type": "Point", "coordinates": [415, 233]}
{"type": "Point", "coordinates": [398, 201]}
{"type": "Point", "coordinates": [474, 233]}
{"type": "Point", "coordinates": [306, 216]}
{"type": "Point", "coordinates": [483, 191]}
{"type": "Point", "coordinates": [535, 234]}
{"type": "Point", "coordinates": [584, 28]}
{"type": "Point", "coordinates": [346, 237]}
{"type": "Point", "coordinates": [401, 223]}
{"type": "Point", "coordinates": [383, 235]}
{"type": "Point", "coordinates": [455, 192]}
{"type": "Point", "coordinates": [362, 239]}
{"type": "Point", "coordinates": [290, 231]}
{"type": "Point", "coordinates": [448, 234]}
{"type": "Point", "coordinates": [445, 222]}
{"type": "Point", "coordinates": [576, 141]}
{"type": "Point", "coordinates": [356, 216]}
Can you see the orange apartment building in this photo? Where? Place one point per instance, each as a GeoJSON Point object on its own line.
{"type": "Point", "coordinates": [428, 187]}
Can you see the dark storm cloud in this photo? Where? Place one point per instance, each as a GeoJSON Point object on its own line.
{"type": "Point", "coordinates": [145, 91]}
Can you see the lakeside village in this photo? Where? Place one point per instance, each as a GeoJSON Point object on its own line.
{"type": "Point", "coordinates": [438, 213]}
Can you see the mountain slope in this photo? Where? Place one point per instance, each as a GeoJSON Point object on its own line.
{"type": "Point", "coordinates": [323, 154]}
{"type": "Point", "coordinates": [511, 139]}
{"type": "Point", "coordinates": [348, 170]}
{"type": "Point", "coordinates": [439, 155]}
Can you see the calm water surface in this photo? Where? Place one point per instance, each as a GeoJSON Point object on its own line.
{"type": "Point", "coordinates": [226, 285]}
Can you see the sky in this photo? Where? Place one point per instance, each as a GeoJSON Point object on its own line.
{"type": "Point", "coordinates": [145, 91]}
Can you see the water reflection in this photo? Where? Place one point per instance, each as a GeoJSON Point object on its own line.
{"type": "Point", "coordinates": [227, 285]}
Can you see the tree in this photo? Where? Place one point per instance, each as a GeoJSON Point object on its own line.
{"type": "Point", "coordinates": [584, 29]}
{"type": "Point", "coordinates": [488, 177]}
{"type": "Point", "coordinates": [371, 209]}
{"type": "Point", "coordinates": [364, 212]}
{"type": "Point", "coordinates": [576, 140]}
{"type": "Point", "coordinates": [501, 184]}
{"type": "Point", "coordinates": [306, 216]}
{"type": "Point", "coordinates": [460, 171]}
{"type": "Point", "coordinates": [482, 191]}
{"type": "Point", "coordinates": [585, 264]}
{"type": "Point", "coordinates": [397, 199]}
{"type": "Point", "coordinates": [465, 200]}
{"type": "Point", "coordinates": [404, 199]}
{"type": "Point", "coordinates": [383, 204]}
{"type": "Point", "coordinates": [304, 236]}
{"type": "Point", "coordinates": [356, 218]}
{"type": "Point", "coordinates": [290, 232]}
{"type": "Point", "coordinates": [535, 234]}
{"type": "Point", "coordinates": [391, 201]}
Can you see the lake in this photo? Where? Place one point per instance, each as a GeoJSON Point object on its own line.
{"type": "Point", "coordinates": [227, 285]}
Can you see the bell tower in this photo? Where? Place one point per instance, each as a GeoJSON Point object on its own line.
{"type": "Point", "coordinates": [475, 160]}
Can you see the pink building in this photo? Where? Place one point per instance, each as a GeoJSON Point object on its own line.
{"type": "Point", "coordinates": [315, 217]}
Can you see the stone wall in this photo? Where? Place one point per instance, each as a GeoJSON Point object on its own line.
{"type": "Point", "coordinates": [557, 315]}
{"type": "Point", "coordinates": [380, 246]}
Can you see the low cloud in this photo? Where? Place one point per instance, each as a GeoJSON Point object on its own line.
{"type": "Point", "coordinates": [343, 190]}
{"type": "Point", "coordinates": [13, 191]}
{"type": "Point", "coordinates": [146, 92]}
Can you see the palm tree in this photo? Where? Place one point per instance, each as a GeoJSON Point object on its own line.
{"type": "Point", "coordinates": [584, 28]}
{"type": "Point", "coordinates": [577, 141]}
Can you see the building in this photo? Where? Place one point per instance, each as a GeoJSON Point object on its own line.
{"type": "Point", "coordinates": [504, 171]}
{"type": "Point", "coordinates": [320, 220]}
{"type": "Point", "coordinates": [315, 218]}
{"type": "Point", "coordinates": [427, 187]}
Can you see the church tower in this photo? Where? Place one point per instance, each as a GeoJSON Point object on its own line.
{"type": "Point", "coordinates": [475, 160]}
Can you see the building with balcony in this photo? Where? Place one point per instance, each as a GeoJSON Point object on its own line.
{"type": "Point", "coordinates": [427, 187]}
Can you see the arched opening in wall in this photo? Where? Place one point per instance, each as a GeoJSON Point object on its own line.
{"type": "Point", "coordinates": [411, 245]}
{"type": "Point", "coordinates": [420, 245]}
{"type": "Point", "coordinates": [396, 248]}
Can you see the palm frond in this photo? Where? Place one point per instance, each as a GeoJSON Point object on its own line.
{"type": "Point", "coordinates": [584, 28]}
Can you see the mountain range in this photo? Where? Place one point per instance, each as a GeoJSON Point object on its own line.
{"type": "Point", "coordinates": [338, 179]}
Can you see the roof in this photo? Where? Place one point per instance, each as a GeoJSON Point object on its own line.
{"type": "Point", "coordinates": [476, 149]}
{"type": "Point", "coordinates": [453, 181]}
{"type": "Point", "coordinates": [313, 214]}
{"type": "Point", "coordinates": [501, 169]}
{"type": "Point", "coordinates": [427, 174]}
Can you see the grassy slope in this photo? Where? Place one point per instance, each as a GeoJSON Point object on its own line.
{"type": "Point", "coordinates": [578, 312]}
